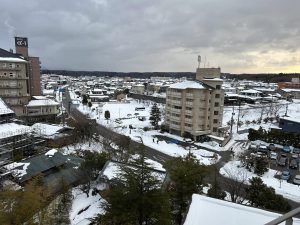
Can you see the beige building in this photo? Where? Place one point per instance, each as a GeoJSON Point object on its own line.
{"type": "Point", "coordinates": [19, 76]}
{"type": "Point", "coordinates": [195, 108]}
{"type": "Point", "coordinates": [14, 81]}
{"type": "Point", "coordinates": [41, 108]}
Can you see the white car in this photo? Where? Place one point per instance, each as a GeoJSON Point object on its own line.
{"type": "Point", "coordinates": [273, 155]}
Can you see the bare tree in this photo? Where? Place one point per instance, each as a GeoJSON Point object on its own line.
{"type": "Point", "coordinates": [234, 183]}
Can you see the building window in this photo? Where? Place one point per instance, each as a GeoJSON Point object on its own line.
{"type": "Point", "coordinates": [215, 129]}
{"type": "Point", "coordinates": [217, 95]}
{"type": "Point", "coordinates": [215, 121]}
{"type": "Point", "coordinates": [216, 113]}
{"type": "Point", "coordinates": [216, 104]}
{"type": "Point", "coordinates": [218, 87]}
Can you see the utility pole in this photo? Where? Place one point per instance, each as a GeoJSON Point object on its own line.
{"type": "Point", "coordinates": [231, 123]}
{"type": "Point", "coordinates": [238, 119]}
{"type": "Point", "coordinates": [286, 109]}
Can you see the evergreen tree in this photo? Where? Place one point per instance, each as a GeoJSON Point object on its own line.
{"type": "Point", "coordinates": [90, 104]}
{"type": "Point", "coordinates": [84, 99]}
{"type": "Point", "coordinates": [136, 199]}
{"type": "Point", "coordinates": [155, 116]}
{"type": "Point", "coordinates": [187, 178]}
{"type": "Point", "coordinates": [215, 190]}
{"type": "Point", "coordinates": [107, 115]}
{"type": "Point", "coordinates": [20, 206]}
{"type": "Point", "coordinates": [260, 195]}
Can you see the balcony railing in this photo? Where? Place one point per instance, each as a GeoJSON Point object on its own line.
{"type": "Point", "coordinates": [288, 218]}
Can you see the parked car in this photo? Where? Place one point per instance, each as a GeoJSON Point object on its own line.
{"type": "Point", "coordinates": [293, 164]}
{"type": "Point", "coordinates": [273, 155]}
{"type": "Point", "coordinates": [285, 175]}
{"type": "Point", "coordinates": [272, 147]}
{"type": "Point", "coordinates": [296, 180]}
{"type": "Point", "coordinates": [286, 149]}
{"type": "Point", "coordinates": [263, 149]}
{"type": "Point", "coordinates": [296, 150]}
{"type": "Point", "coordinates": [282, 160]}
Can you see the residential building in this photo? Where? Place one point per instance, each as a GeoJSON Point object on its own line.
{"type": "Point", "coordinates": [41, 108]}
{"type": "Point", "coordinates": [195, 108]}
{"type": "Point", "coordinates": [290, 124]}
{"type": "Point", "coordinates": [33, 66]}
{"type": "Point", "coordinates": [14, 88]}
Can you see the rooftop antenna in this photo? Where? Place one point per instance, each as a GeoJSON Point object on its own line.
{"type": "Point", "coordinates": [199, 60]}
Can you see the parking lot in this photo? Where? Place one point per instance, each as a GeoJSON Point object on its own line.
{"type": "Point", "coordinates": [280, 158]}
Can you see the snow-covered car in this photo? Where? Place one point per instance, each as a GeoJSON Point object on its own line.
{"type": "Point", "coordinates": [296, 180]}
{"type": "Point", "coordinates": [286, 149]}
{"type": "Point", "coordinates": [272, 147]}
{"type": "Point", "coordinates": [263, 149]}
{"type": "Point", "coordinates": [285, 175]}
{"type": "Point", "coordinates": [273, 155]}
{"type": "Point", "coordinates": [293, 164]}
{"type": "Point", "coordinates": [296, 150]}
{"type": "Point", "coordinates": [282, 160]}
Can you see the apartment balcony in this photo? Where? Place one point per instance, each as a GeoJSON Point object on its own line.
{"type": "Point", "coordinates": [175, 102]}
{"type": "Point", "coordinates": [189, 112]}
{"type": "Point", "coordinates": [174, 94]}
{"type": "Point", "coordinates": [19, 77]}
{"type": "Point", "coordinates": [187, 120]}
{"type": "Point", "coordinates": [175, 118]}
{"type": "Point", "coordinates": [11, 86]}
{"type": "Point", "coordinates": [190, 104]}
{"type": "Point", "coordinates": [10, 68]}
{"type": "Point", "coordinates": [188, 128]}
{"type": "Point", "coordinates": [189, 95]}
{"type": "Point", "coordinates": [174, 126]}
{"type": "Point", "coordinates": [175, 110]}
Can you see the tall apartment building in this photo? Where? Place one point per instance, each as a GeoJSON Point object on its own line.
{"type": "Point", "coordinates": [196, 107]}
{"type": "Point", "coordinates": [33, 68]}
{"type": "Point", "coordinates": [14, 81]}
{"type": "Point", "coordinates": [19, 76]}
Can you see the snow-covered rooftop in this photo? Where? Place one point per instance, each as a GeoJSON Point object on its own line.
{"type": "Point", "coordinates": [187, 84]}
{"type": "Point", "coordinates": [13, 129]}
{"type": "Point", "coordinates": [11, 59]}
{"type": "Point", "coordinates": [203, 209]}
{"type": "Point", "coordinates": [46, 129]}
{"type": "Point", "coordinates": [4, 108]}
{"type": "Point", "coordinates": [293, 119]}
{"type": "Point", "coordinates": [42, 102]}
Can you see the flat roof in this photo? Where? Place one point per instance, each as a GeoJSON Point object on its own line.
{"type": "Point", "coordinates": [211, 211]}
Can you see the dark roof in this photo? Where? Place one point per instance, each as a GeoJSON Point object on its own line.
{"type": "Point", "coordinates": [7, 54]}
{"type": "Point", "coordinates": [42, 163]}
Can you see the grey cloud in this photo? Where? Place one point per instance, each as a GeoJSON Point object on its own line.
{"type": "Point", "coordinates": [142, 35]}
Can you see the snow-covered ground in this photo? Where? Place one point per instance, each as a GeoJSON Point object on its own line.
{"type": "Point", "coordinates": [126, 115]}
{"type": "Point", "coordinates": [83, 207]}
{"type": "Point", "coordinates": [288, 190]}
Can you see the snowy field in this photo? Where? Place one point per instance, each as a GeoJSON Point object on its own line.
{"type": "Point", "coordinates": [123, 114]}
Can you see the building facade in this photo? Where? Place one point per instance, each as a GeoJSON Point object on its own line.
{"type": "Point", "coordinates": [14, 80]}
{"type": "Point", "coordinates": [19, 77]}
{"type": "Point", "coordinates": [195, 108]}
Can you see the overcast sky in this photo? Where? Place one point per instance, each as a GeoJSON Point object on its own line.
{"type": "Point", "coordinates": [240, 36]}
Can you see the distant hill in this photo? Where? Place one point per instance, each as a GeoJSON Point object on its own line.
{"type": "Point", "coordinates": [270, 77]}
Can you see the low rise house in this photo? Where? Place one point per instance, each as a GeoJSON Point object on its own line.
{"type": "Point", "coordinates": [290, 124]}
{"type": "Point", "coordinates": [41, 108]}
